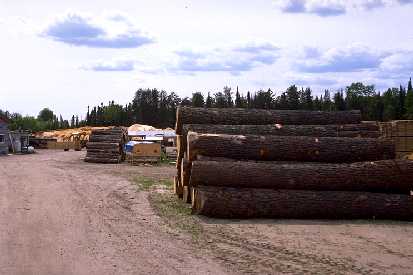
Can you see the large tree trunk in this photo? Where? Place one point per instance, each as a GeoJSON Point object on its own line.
{"type": "Point", "coordinates": [185, 172]}
{"type": "Point", "coordinates": [225, 202]}
{"type": "Point", "coordinates": [293, 148]}
{"type": "Point", "coordinates": [106, 138]}
{"type": "Point", "coordinates": [102, 160]}
{"type": "Point", "coordinates": [387, 176]}
{"type": "Point", "coordinates": [368, 130]}
{"type": "Point", "coordinates": [236, 116]}
{"type": "Point", "coordinates": [102, 145]}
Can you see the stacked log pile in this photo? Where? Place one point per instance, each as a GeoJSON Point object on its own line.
{"type": "Point", "coordinates": [246, 163]}
{"type": "Point", "coordinates": [106, 146]}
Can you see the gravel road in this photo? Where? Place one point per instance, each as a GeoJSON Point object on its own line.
{"type": "Point", "coordinates": [59, 215]}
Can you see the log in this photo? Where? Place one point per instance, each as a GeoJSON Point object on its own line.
{"type": "Point", "coordinates": [100, 145]}
{"type": "Point", "coordinates": [367, 130]}
{"type": "Point", "coordinates": [178, 190]}
{"type": "Point", "coordinates": [186, 196]}
{"type": "Point", "coordinates": [387, 176]}
{"type": "Point", "coordinates": [106, 139]}
{"type": "Point", "coordinates": [294, 148]}
{"type": "Point", "coordinates": [226, 202]}
{"type": "Point", "coordinates": [180, 146]}
{"type": "Point", "coordinates": [222, 159]}
{"type": "Point", "coordinates": [237, 116]}
{"type": "Point", "coordinates": [185, 172]}
{"type": "Point", "coordinates": [349, 130]}
{"type": "Point", "coordinates": [91, 150]}
{"type": "Point", "coordinates": [101, 160]}
{"type": "Point", "coordinates": [103, 155]}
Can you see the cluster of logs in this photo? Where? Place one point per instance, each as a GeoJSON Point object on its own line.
{"type": "Point", "coordinates": [246, 163]}
{"type": "Point", "coordinates": [106, 145]}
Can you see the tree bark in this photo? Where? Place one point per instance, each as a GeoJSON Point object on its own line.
{"type": "Point", "coordinates": [236, 116]}
{"type": "Point", "coordinates": [367, 130]}
{"type": "Point", "coordinates": [185, 172]}
{"type": "Point", "coordinates": [387, 176]}
{"type": "Point", "coordinates": [102, 145]}
{"type": "Point", "coordinates": [102, 160]}
{"type": "Point", "coordinates": [293, 148]}
{"type": "Point", "coordinates": [103, 155]}
{"type": "Point", "coordinates": [225, 202]}
{"type": "Point", "coordinates": [177, 187]}
{"type": "Point", "coordinates": [186, 197]}
{"type": "Point", "coordinates": [348, 130]}
{"type": "Point", "coordinates": [106, 138]}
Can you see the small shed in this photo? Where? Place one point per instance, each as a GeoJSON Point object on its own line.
{"type": "Point", "coordinates": [19, 141]}
{"type": "Point", "coordinates": [4, 136]}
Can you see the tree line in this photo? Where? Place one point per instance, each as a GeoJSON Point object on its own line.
{"type": "Point", "coordinates": [158, 107]}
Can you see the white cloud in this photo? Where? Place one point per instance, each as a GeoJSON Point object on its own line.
{"type": "Point", "coordinates": [112, 66]}
{"type": "Point", "coordinates": [107, 31]}
{"type": "Point", "coordinates": [347, 59]}
{"type": "Point", "coordinates": [326, 8]}
{"type": "Point", "coordinates": [234, 60]}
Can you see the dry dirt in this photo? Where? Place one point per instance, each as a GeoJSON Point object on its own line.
{"type": "Point", "coordinates": [59, 215]}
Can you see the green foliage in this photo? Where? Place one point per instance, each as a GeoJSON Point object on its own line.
{"type": "Point", "coordinates": [409, 101]}
{"type": "Point", "coordinates": [198, 99]}
{"type": "Point", "coordinates": [46, 115]}
{"type": "Point", "coordinates": [158, 108]}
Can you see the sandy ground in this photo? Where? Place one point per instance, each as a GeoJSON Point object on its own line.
{"type": "Point", "coordinates": [59, 215]}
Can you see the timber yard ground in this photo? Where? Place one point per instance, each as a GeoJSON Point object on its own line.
{"type": "Point", "coordinates": [60, 215]}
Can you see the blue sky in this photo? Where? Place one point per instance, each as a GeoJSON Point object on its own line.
{"type": "Point", "coordinates": [67, 55]}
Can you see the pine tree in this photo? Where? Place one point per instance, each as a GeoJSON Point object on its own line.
{"type": "Point", "coordinates": [308, 99]}
{"type": "Point", "coordinates": [327, 104]}
{"type": "Point", "coordinates": [293, 98]}
{"type": "Point", "coordinates": [228, 96]}
{"type": "Point", "coordinates": [339, 102]}
{"type": "Point", "coordinates": [198, 99]}
{"type": "Point", "coordinates": [88, 116]}
{"type": "Point", "coordinates": [238, 100]}
{"type": "Point", "coordinates": [209, 101]}
{"type": "Point", "coordinates": [249, 103]}
{"type": "Point", "coordinates": [391, 104]}
{"type": "Point", "coordinates": [409, 101]}
{"type": "Point", "coordinates": [402, 100]}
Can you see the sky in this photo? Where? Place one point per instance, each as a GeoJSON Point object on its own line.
{"type": "Point", "coordinates": [66, 55]}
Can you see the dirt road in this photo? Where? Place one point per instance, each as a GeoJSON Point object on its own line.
{"type": "Point", "coordinates": [59, 215]}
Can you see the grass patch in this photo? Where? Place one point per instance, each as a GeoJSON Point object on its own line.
{"type": "Point", "coordinates": [146, 184]}
{"type": "Point", "coordinates": [175, 213]}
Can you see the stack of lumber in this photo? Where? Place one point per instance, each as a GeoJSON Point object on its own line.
{"type": "Point", "coordinates": [246, 163]}
{"type": "Point", "coordinates": [401, 132]}
{"type": "Point", "coordinates": [106, 145]}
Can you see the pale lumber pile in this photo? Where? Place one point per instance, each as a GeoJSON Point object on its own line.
{"type": "Point", "coordinates": [106, 145]}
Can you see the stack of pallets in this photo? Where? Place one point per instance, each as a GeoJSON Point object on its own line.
{"type": "Point", "coordinates": [401, 132]}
